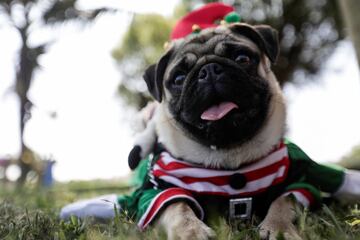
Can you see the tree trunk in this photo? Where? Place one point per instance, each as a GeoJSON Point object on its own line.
{"type": "Point", "coordinates": [23, 81]}
{"type": "Point", "coordinates": [23, 164]}
{"type": "Point", "coordinates": [350, 10]}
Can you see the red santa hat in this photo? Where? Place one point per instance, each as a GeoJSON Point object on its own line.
{"type": "Point", "coordinates": [207, 16]}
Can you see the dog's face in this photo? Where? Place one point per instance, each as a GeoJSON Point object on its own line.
{"type": "Point", "coordinates": [214, 84]}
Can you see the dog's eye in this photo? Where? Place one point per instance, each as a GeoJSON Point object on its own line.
{"type": "Point", "coordinates": [179, 79]}
{"type": "Point", "coordinates": [243, 59]}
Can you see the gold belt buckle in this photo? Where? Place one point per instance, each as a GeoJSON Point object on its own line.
{"type": "Point", "coordinates": [240, 208]}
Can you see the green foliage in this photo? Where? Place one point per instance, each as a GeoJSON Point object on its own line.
{"type": "Point", "coordinates": [145, 38]}
{"type": "Point", "coordinates": [352, 160]}
{"type": "Point", "coordinates": [308, 33]}
{"type": "Point", "coordinates": [32, 213]}
{"type": "Point", "coordinates": [62, 11]}
{"type": "Point", "coordinates": [142, 45]}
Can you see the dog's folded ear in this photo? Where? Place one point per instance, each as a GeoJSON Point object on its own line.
{"type": "Point", "coordinates": [154, 76]}
{"type": "Point", "coordinates": [271, 41]}
{"type": "Point", "coordinates": [264, 36]}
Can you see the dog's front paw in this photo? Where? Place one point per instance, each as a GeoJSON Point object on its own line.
{"type": "Point", "coordinates": [273, 229]}
{"type": "Point", "coordinates": [181, 223]}
{"type": "Point", "coordinates": [190, 229]}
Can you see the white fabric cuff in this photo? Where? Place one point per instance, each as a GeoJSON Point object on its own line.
{"type": "Point", "coordinates": [350, 188]}
{"type": "Point", "coordinates": [99, 207]}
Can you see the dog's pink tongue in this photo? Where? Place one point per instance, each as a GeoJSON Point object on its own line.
{"type": "Point", "coordinates": [218, 111]}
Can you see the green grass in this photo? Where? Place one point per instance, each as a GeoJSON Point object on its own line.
{"type": "Point", "coordinates": [32, 213]}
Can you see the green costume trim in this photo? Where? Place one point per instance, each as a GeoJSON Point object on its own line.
{"type": "Point", "coordinates": [324, 177]}
{"type": "Point", "coordinates": [140, 173]}
{"type": "Point", "coordinates": [301, 185]}
{"type": "Point", "coordinates": [136, 204]}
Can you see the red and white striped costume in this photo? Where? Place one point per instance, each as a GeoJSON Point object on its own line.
{"type": "Point", "coordinates": [185, 181]}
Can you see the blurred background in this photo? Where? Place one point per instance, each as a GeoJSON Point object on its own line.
{"type": "Point", "coordinates": [70, 80]}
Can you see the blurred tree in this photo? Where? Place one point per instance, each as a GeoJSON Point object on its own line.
{"type": "Point", "coordinates": [350, 10]}
{"type": "Point", "coordinates": [25, 16]}
{"type": "Point", "coordinates": [142, 45]}
{"type": "Point", "coordinates": [352, 160]}
{"type": "Point", "coordinates": [308, 33]}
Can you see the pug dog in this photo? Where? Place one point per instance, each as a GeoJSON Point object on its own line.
{"type": "Point", "coordinates": [220, 117]}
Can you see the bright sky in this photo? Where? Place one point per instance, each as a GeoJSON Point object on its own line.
{"type": "Point", "coordinates": [90, 138]}
{"type": "Point", "coordinates": [324, 117]}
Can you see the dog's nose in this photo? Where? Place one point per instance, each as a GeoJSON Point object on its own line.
{"type": "Point", "coordinates": [210, 72]}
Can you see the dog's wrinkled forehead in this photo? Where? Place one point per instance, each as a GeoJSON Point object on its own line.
{"type": "Point", "coordinates": [208, 42]}
{"type": "Point", "coordinates": [212, 41]}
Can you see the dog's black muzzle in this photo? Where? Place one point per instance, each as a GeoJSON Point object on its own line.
{"type": "Point", "coordinates": [214, 81]}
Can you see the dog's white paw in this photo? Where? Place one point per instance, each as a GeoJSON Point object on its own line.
{"type": "Point", "coordinates": [190, 228]}
{"type": "Point", "coordinates": [181, 223]}
{"type": "Point", "coordinates": [271, 230]}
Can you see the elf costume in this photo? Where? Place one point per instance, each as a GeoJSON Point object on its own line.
{"type": "Point", "coordinates": [163, 179]}
{"type": "Point", "coordinates": [285, 170]}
